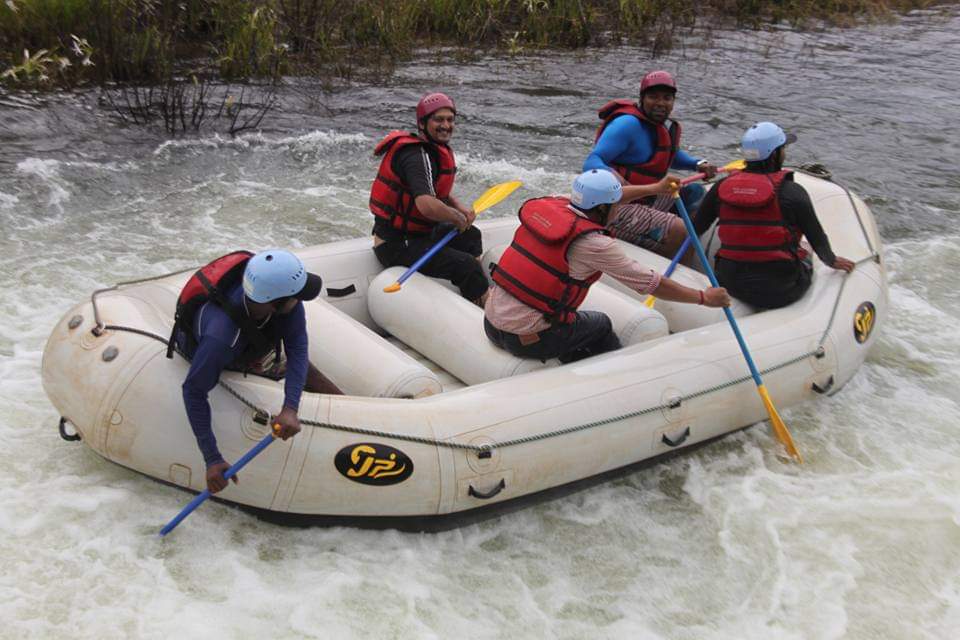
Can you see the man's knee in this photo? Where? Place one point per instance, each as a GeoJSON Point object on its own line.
{"type": "Point", "coordinates": [469, 278]}
{"type": "Point", "coordinates": [469, 241]}
{"type": "Point", "coordinates": [692, 194]}
{"type": "Point", "coordinates": [676, 234]}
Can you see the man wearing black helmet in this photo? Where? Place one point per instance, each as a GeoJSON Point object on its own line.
{"type": "Point", "coordinates": [414, 206]}
{"type": "Point", "coordinates": [640, 143]}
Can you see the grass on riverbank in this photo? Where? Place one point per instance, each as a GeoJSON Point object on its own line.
{"type": "Point", "coordinates": [46, 43]}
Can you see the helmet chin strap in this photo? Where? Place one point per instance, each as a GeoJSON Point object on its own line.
{"type": "Point", "coordinates": [778, 156]}
{"type": "Point", "coordinates": [599, 213]}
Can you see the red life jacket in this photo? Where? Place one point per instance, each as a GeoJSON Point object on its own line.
{"type": "Point", "coordinates": [534, 268]}
{"type": "Point", "coordinates": [209, 284]}
{"type": "Point", "coordinates": [668, 142]}
{"type": "Point", "coordinates": [750, 223]}
{"type": "Point", "coordinates": [391, 200]}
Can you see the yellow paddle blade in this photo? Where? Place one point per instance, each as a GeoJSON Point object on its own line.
{"type": "Point", "coordinates": [779, 428]}
{"type": "Point", "coordinates": [735, 165]}
{"type": "Point", "coordinates": [649, 302]}
{"type": "Point", "coordinates": [495, 194]}
{"type": "Point", "coordinates": [393, 288]}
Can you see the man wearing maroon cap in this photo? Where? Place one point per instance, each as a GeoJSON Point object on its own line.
{"type": "Point", "coordinates": [639, 142]}
{"type": "Point", "coordinates": [413, 203]}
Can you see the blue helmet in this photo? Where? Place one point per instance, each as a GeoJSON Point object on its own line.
{"type": "Point", "coordinates": [597, 186]}
{"type": "Point", "coordinates": [273, 274]}
{"type": "Point", "coordinates": [762, 139]}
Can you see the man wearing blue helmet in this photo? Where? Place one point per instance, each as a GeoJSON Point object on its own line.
{"type": "Point", "coordinates": [235, 313]}
{"type": "Point", "coordinates": [762, 215]}
{"type": "Point", "coordinates": [560, 249]}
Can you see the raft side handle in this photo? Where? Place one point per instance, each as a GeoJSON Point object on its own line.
{"type": "Point", "coordinates": [665, 439]}
{"type": "Point", "coordinates": [825, 388]}
{"type": "Point", "coordinates": [341, 292]}
{"type": "Point", "coordinates": [820, 353]}
{"type": "Point", "coordinates": [488, 494]}
{"type": "Point", "coordinates": [674, 402]}
{"type": "Point", "coordinates": [261, 417]}
{"type": "Point", "coordinates": [485, 452]}
{"type": "Point", "coordinates": [74, 437]}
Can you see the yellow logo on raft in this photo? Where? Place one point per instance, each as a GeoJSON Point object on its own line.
{"type": "Point", "coordinates": [863, 321]}
{"type": "Point", "coordinates": [375, 464]}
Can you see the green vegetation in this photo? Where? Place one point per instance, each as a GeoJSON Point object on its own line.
{"type": "Point", "coordinates": [65, 42]}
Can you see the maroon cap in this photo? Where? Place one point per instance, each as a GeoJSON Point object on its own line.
{"type": "Point", "coordinates": [433, 102]}
{"type": "Point", "coordinates": [658, 79]}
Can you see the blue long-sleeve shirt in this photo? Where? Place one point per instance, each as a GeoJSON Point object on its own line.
{"type": "Point", "coordinates": [626, 140]}
{"type": "Point", "coordinates": [220, 345]}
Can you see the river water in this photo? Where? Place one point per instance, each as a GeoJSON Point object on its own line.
{"type": "Point", "coordinates": [862, 541]}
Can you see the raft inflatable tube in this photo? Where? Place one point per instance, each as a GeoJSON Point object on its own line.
{"type": "Point", "coordinates": [441, 432]}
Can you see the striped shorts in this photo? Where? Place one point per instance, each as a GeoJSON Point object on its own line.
{"type": "Point", "coordinates": [641, 225]}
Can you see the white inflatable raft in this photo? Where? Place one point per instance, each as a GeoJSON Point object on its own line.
{"type": "Point", "coordinates": [440, 427]}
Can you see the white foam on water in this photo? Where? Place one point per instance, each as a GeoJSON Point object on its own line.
{"type": "Point", "coordinates": [7, 201]}
{"type": "Point", "coordinates": [315, 140]}
{"type": "Point", "coordinates": [48, 172]}
{"type": "Point", "coordinates": [536, 179]}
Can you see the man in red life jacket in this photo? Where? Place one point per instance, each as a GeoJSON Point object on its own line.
{"type": "Point", "coordinates": [414, 206]}
{"type": "Point", "coordinates": [560, 249]}
{"type": "Point", "coordinates": [235, 313]}
{"type": "Point", "coordinates": [762, 215]}
{"type": "Point", "coordinates": [640, 142]}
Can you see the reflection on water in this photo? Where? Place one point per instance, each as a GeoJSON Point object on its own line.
{"type": "Point", "coordinates": [860, 542]}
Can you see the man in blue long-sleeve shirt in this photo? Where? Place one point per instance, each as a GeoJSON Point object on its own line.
{"type": "Point", "coordinates": [243, 331]}
{"type": "Point", "coordinates": [640, 143]}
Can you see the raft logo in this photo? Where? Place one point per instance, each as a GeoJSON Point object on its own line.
{"type": "Point", "coordinates": [863, 321]}
{"type": "Point", "coordinates": [376, 464]}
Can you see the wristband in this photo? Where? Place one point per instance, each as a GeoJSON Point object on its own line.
{"type": "Point", "coordinates": [701, 297]}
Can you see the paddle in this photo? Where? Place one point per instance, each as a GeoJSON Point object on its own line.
{"type": "Point", "coordinates": [736, 165]}
{"type": "Point", "coordinates": [490, 197]}
{"type": "Point", "coordinates": [229, 473]}
{"type": "Point", "coordinates": [779, 428]}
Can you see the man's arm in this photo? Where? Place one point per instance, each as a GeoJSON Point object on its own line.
{"type": "Point", "coordinates": [207, 364]}
{"type": "Point", "coordinates": [623, 139]}
{"type": "Point", "coordinates": [796, 207]}
{"type": "Point", "coordinates": [636, 191]}
{"type": "Point", "coordinates": [296, 347]}
{"type": "Point", "coordinates": [600, 253]}
{"type": "Point", "coordinates": [415, 169]}
{"type": "Point", "coordinates": [684, 161]}
{"type": "Point", "coordinates": [467, 211]}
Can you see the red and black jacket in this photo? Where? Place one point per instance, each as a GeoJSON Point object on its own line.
{"type": "Point", "coordinates": [391, 200]}
{"type": "Point", "coordinates": [210, 284]}
{"type": "Point", "coordinates": [664, 151]}
{"type": "Point", "coordinates": [534, 268]}
{"type": "Point", "coordinates": [750, 223]}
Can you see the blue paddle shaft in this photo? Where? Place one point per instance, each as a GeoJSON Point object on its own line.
{"type": "Point", "coordinates": [229, 473]}
{"type": "Point", "coordinates": [429, 254]}
{"type": "Point", "coordinates": [676, 258]}
{"type": "Point", "coordinates": [692, 235]}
